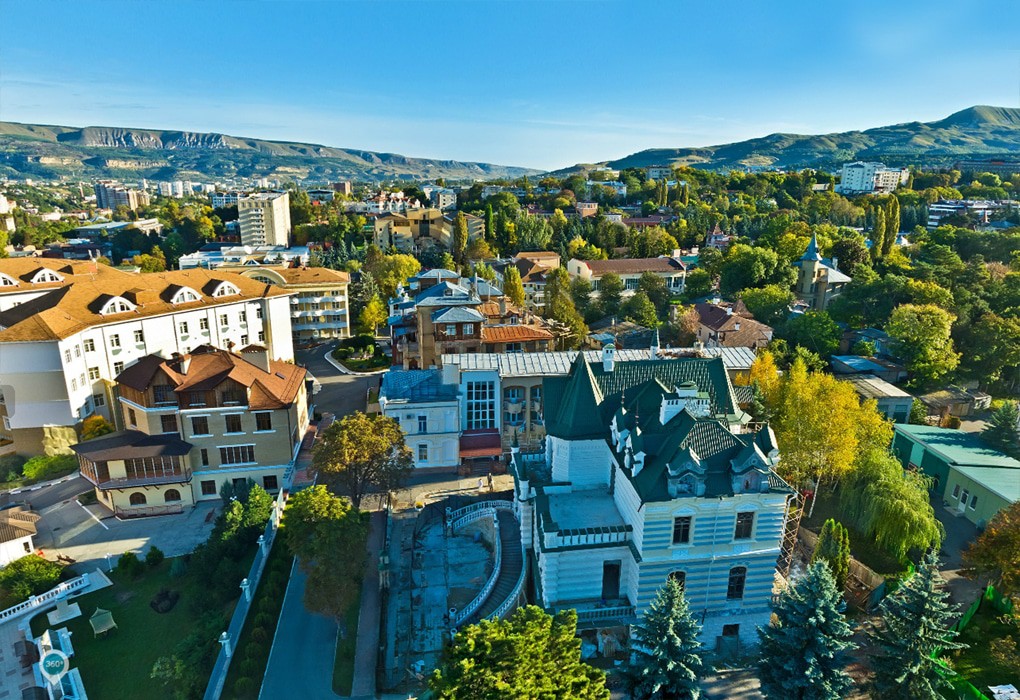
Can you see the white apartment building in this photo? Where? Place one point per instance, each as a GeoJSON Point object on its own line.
{"type": "Point", "coordinates": [428, 411]}
{"type": "Point", "coordinates": [68, 328]}
{"type": "Point", "coordinates": [220, 200]}
{"type": "Point", "coordinates": [264, 218]}
{"type": "Point", "coordinates": [870, 178]}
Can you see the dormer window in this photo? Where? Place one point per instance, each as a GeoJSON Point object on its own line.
{"type": "Point", "coordinates": [184, 295]}
{"type": "Point", "coordinates": [44, 275]}
{"type": "Point", "coordinates": [7, 281]}
{"type": "Point", "coordinates": [225, 289]}
{"type": "Point", "coordinates": [116, 305]}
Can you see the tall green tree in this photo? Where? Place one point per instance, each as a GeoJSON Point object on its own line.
{"type": "Point", "coordinates": [1002, 432]}
{"type": "Point", "coordinates": [362, 452]}
{"type": "Point", "coordinates": [996, 551]}
{"type": "Point", "coordinates": [892, 225]}
{"type": "Point", "coordinates": [372, 315]}
{"type": "Point", "coordinates": [803, 653]}
{"type": "Point", "coordinates": [460, 237]}
{"type": "Point", "coordinates": [814, 330]}
{"type": "Point", "coordinates": [769, 304]}
{"type": "Point", "coordinates": [559, 306]}
{"type": "Point", "coordinates": [640, 310]}
{"type": "Point", "coordinates": [833, 548]}
{"type": "Point", "coordinates": [877, 232]}
{"type": "Point", "coordinates": [916, 623]}
{"type": "Point", "coordinates": [513, 288]}
{"type": "Point", "coordinates": [530, 655]}
{"type": "Point", "coordinates": [667, 660]}
{"type": "Point", "coordinates": [923, 340]}
{"type": "Point", "coordinates": [610, 293]}
{"type": "Point", "coordinates": [490, 223]}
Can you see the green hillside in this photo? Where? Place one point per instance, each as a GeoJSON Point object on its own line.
{"type": "Point", "coordinates": [43, 151]}
{"type": "Point", "coordinates": [973, 132]}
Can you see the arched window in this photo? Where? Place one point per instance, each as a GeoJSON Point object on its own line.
{"type": "Point", "coordinates": [172, 496]}
{"type": "Point", "coordinates": [137, 499]}
{"type": "Point", "coordinates": [116, 305]}
{"type": "Point", "coordinates": [44, 275]}
{"type": "Point", "coordinates": [680, 577]}
{"type": "Point", "coordinates": [7, 281]}
{"type": "Point", "coordinates": [735, 587]}
{"type": "Point", "coordinates": [225, 289]}
{"type": "Point", "coordinates": [184, 295]}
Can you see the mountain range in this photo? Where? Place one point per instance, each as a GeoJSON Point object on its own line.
{"type": "Point", "coordinates": [49, 152]}
{"type": "Point", "coordinates": [980, 131]}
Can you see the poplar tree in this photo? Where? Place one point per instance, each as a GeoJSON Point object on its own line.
{"type": "Point", "coordinates": [666, 661]}
{"type": "Point", "coordinates": [892, 225]}
{"type": "Point", "coordinates": [833, 548]}
{"type": "Point", "coordinates": [513, 288]}
{"type": "Point", "coordinates": [803, 653]}
{"type": "Point", "coordinates": [916, 622]}
{"type": "Point", "coordinates": [460, 235]}
{"type": "Point", "coordinates": [877, 233]}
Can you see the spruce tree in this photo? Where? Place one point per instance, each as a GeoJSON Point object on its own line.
{"type": "Point", "coordinates": [916, 621]}
{"type": "Point", "coordinates": [1002, 431]}
{"type": "Point", "coordinates": [804, 651]}
{"type": "Point", "coordinates": [666, 662]}
{"type": "Point", "coordinates": [834, 549]}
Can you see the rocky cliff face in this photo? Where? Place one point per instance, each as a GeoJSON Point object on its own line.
{"type": "Point", "coordinates": [113, 137]}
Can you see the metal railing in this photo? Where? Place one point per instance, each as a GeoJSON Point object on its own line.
{"type": "Point", "coordinates": [462, 516]}
{"type": "Point", "coordinates": [483, 595]}
{"type": "Point", "coordinates": [515, 594]}
{"type": "Point", "coordinates": [37, 601]}
{"type": "Point", "coordinates": [613, 613]}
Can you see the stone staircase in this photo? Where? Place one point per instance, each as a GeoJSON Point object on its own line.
{"type": "Point", "coordinates": [512, 563]}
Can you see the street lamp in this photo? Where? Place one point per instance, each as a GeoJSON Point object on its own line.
{"type": "Point", "coordinates": [109, 562]}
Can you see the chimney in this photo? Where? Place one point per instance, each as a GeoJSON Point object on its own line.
{"type": "Point", "coordinates": [835, 263]}
{"type": "Point", "coordinates": [258, 357]}
{"type": "Point", "coordinates": [185, 363]}
{"type": "Point", "coordinates": [729, 310]}
{"type": "Point", "coordinates": [608, 357]}
{"type": "Point", "coordinates": [736, 326]}
{"type": "Point", "coordinates": [502, 306]}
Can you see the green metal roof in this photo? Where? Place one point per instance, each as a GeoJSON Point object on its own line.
{"type": "Point", "coordinates": [578, 415]}
{"type": "Point", "coordinates": [1002, 482]}
{"type": "Point", "coordinates": [957, 447]}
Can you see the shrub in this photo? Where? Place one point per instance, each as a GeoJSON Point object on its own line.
{"type": "Point", "coordinates": [39, 468]}
{"type": "Point", "coordinates": [244, 685]}
{"type": "Point", "coordinates": [263, 619]}
{"type": "Point", "coordinates": [259, 635]}
{"type": "Point", "coordinates": [155, 556]}
{"type": "Point", "coordinates": [11, 466]}
{"type": "Point", "coordinates": [130, 565]}
{"type": "Point", "coordinates": [27, 576]}
{"type": "Point", "coordinates": [164, 601]}
{"type": "Point", "coordinates": [178, 567]}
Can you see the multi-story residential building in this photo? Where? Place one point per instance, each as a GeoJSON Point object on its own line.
{"type": "Point", "coordinates": [68, 328]}
{"type": "Point", "coordinates": [221, 200]}
{"type": "Point", "coordinates": [730, 325]}
{"type": "Point", "coordinates": [264, 218]}
{"type": "Point", "coordinates": [441, 198]}
{"type": "Point", "coordinates": [469, 315]}
{"type": "Point", "coordinates": [651, 471]}
{"type": "Point", "coordinates": [344, 187]}
{"type": "Point", "coordinates": [214, 256]}
{"type": "Point", "coordinates": [867, 178]}
{"type": "Point", "coordinates": [110, 195]}
{"type": "Point", "coordinates": [659, 172]}
{"type": "Point", "coordinates": [193, 422]}
{"type": "Point", "coordinates": [672, 270]}
{"type": "Point", "coordinates": [318, 309]}
{"type": "Point", "coordinates": [982, 210]}
{"type": "Point", "coordinates": [533, 267]}
{"type": "Point", "coordinates": [619, 189]}
{"type": "Point", "coordinates": [418, 229]}
{"type": "Point", "coordinates": [384, 203]}
{"type": "Point", "coordinates": [819, 281]}
{"type": "Point", "coordinates": [321, 195]}
{"type": "Point", "coordinates": [428, 411]}
{"type": "Point", "coordinates": [718, 239]}
{"type": "Point", "coordinates": [1003, 168]}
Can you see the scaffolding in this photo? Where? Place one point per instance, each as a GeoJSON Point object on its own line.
{"type": "Point", "coordinates": [794, 511]}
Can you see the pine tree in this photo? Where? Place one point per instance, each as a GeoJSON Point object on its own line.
{"type": "Point", "coordinates": [803, 653]}
{"type": "Point", "coordinates": [1002, 431]}
{"type": "Point", "coordinates": [916, 621]}
{"type": "Point", "coordinates": [833, 548]}
{"type": "Point", "coordinates": [667, 658]}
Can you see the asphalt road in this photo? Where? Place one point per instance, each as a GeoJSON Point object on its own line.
{"type": "Point", "coordinates": [340, 394]}
{"type": "Point", "coordinates": [51, 495]}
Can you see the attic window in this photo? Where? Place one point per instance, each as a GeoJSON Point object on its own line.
{"type": "Point", "coordinates": [225, 289]}
{"type": "Point", "coordinates": [7, 281]}
{"type": "Point", "coordinates": [116, 305]}
{"type": "Point", "coordinates": [184, 295]}
{"type": "Point", "coordinates": [44, 275]}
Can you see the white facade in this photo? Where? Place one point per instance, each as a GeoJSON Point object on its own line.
{"type": "Point", "coordinates": [15, 549]}
{"type": "Point", "coordinates": [265, 219]}
{"type": "Point", "coordinates": [219, 200]}
{"type": "Point", "coordinates": [428, 411]}
{"type": "Point", "coordinates": [865, 178]}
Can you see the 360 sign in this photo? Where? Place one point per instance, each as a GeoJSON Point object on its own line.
{"type": "Point", "coordinates": [54, 665]}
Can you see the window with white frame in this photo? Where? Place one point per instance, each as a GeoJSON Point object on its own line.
{"type": "Point", "coordinates": [423, 424]}
{"type": "Point", "coordinates": [98, 399]}
{"type": "Point", "coordinates": [118, 367]}
{"type": "Point", "coordinates": [224, 320]}
{"type": "Point", "coordinates": [67, 355]}
{"type": "Point", "coordinates": [116, 305]}
{"type": "Point", "coordinates": [203, 324]}
{"type": "Point", "coordinates": [182, 327]}
{"type": "Point", "coordinates": [89, 344]}
{"type": "Point", "coordinates": [139, 337]}
{"type": "Point", "coordinates": [237, 454]}
{"type": "Point", "coordinates": [93, 373]}
{"type": "Point", "coordinates": [115, 340]}
{"type": "Point", "coordinates": [451, 329]}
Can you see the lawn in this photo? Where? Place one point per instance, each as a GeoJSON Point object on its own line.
{"type": "Point", "coordinates": [117, 666]}
{"type": "Point", "coordinates": [862, 548]}
{"type": "Point", "coordinates": [975, 663]}
{"type": "Point", "coordinates": [343, 666]}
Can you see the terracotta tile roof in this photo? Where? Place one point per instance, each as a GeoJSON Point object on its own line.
{"type": "Point", "coordinates": [313, 275]}
{"type": "Point", "coordinates": [514, 334]}
{"type": "Point", "coordinates": [16, 523]}
{"type": "Point", "coordinates": [208, 367]}
{"type": "Point", "coordinates": [24, 269]}
{"type": "Point", "coordinates": [74, 307]}
{"type": "Point", "coordinates": [634, 265]}
{"type": "Point", "coordinates": [716, 316]}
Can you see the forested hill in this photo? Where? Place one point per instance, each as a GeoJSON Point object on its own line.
{"type": "Point", "coordinates": [34, 150]}
{"type": "Point", "coordinates": [980, 131]}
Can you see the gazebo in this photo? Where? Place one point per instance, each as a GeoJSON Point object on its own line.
{"type": "Point", "coordinates": [102, 622]}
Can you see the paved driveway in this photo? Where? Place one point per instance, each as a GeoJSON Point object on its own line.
{"type": "Point", "coordinates": [341, 394]}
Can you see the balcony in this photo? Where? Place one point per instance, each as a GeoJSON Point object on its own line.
{"type": "Point", "coordinates": [135, 479]}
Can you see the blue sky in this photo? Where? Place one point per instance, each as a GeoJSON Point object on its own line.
{"type": "Point", "coordinates": [540, 84]}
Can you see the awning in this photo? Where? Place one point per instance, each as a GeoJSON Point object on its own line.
{"type": "Point", "coordinates": [480, 443]}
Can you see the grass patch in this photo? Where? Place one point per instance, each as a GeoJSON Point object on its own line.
{"type": "Point", "coordinates": [248, 667]}
{"type": "Point", "coordinates": [118, 665]}
{"type": "Point", "coordinates": [343, 665]}
{"type": "Point", "coordinates": [976, 663]}
{"type": "Point", "coordinates": [862, 548]}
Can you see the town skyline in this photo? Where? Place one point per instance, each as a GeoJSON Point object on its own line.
{"type": "Point", "coordinates": [556, 90]}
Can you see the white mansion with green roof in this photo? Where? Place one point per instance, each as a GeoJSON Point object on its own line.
{"type": "Point", "coordinates": [651, 470]}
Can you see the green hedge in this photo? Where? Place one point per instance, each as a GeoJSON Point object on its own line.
{"type": "Point", "coordinates": [41, 468]}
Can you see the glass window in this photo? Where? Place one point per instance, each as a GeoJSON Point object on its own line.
{"type": "Point", "coordinates": [67, 355]}
{"type": "Point", "coordinates": [132, 419]}
{"type": "Point", "coordinates": [93, 373]}
{"type": "Point", "coordinates": [956, 491]}
{"type": "Point", "coordinates": [233, 423]}
{"type": "Point", "coordinates": [631, 283]}
{"type": "Point", "coordinates": [423, 453]}
{"type": "Point", "coordinates": [745, 526]}
{"type": "Point", "coordinates": [682, 529]}
{"type": "Point", "coordinates": [451, 329]}
{"type": "Point", "coordinates": [735, 587]}
{"type": "Point", "coordinates": [168, 423]}
{"type": "Point", "coordinates": [423, 424]}
{"type": "Point", "coordinates": [469, 328]}
{"type": "Point", "coordinates": [973, 502]}
{"type": "Point", "coordinates": [183, 327]}
{"type": "Point", "coordinates": [139, 337]}
{"type": "Point", "coordinates": [269, 482]}
{"type": "Point", "coordinates": [238, 454]}
{"type": "Point", "coordinates": [208, 487]}
{"type": "Point", "coordinates": [99, 399]}
{"type": "Point", "coordinates": [204, 454]}
{"type": "Point", "coordinates": [200, 425]}
{"type": "Point", "coordinates": [163, 393]}
{"type": "Point", "coordinates": [244, 317]}
{"type": "Point", "coordinates": [203, 324]}
{"type": "Point", "coordinates": [115, 341]}
{"type": "Point", "coordinates": [224, 321]}
{"type": "Point", "coordinates": [481, 405]}
{"type": "Point", "coordinates": [90, 345]}
{"type": "Point", "coordinates": [264, 421]}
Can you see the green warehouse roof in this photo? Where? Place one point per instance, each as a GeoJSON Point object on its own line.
{"type": "Point", "coordinates": [958, 447]}
{"type": "Point", "coordinates": [1003, 482]}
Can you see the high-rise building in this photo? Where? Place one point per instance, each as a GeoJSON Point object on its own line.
{"type": "Point", "coordinates": [264, 218]}
{"type": "Point", "coordinates": [865, 178]}
{"type": "Point", "coordinates": [110, 195]}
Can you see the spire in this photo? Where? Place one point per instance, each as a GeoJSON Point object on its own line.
{"type": "Point", "coordinates": [578, 415]}
{"type": "Point", "coordinates": [812, 250]}
{"type": "Point", "coordinates": [654, 354]}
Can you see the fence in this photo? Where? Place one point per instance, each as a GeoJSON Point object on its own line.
{"type": "Point", "coordinates": [228, 639]}
{"type": "Point", "coordinates": [51, 596]}
{"type": "Point", "coordinates": [992, 598]}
